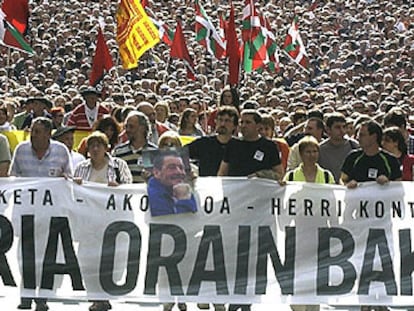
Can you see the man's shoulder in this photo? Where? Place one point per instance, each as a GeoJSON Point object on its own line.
{"type": "Point", "coordinates": [204, 140]}
{"type": "Point", "coordinates": [155, 184]}
{"type": "Point", "coordinates": [388, 155]}
{"type": "Point", "coordinates": [23, 146]}
{"type": "Point", "coordinates": [150, 145]}
{"type": "Point", "coordinates": [3, 137]}
{"type": "Point", "coordinates": [102, 109]}
{"type": "Point", "coordinates": [121, 148]}
{"type": "Point", "coordinates": [267, 143]}
{"type": "Point", "coordinates": [235, 141]}
{"type": "Point", "coordinates": [355, 154]}
{"type": "Point", "coordinates": [58, 146]}
{"type": "Point", "coordinates": [79, 109]}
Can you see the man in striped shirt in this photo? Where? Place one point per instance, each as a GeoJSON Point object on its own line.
{"type": "Point", "coordinates": [137, 128]}
{"type": "Point", "coordinates": [85, 115]}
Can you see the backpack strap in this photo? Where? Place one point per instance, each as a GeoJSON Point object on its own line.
{"type": "Point", "coordinates": [326, 175]}
{"type": "Point", "coordinates": [117, 172]}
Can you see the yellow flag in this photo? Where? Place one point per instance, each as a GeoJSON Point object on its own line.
{"type": "Point", "coordinates": [136, 33]}
{"type": "Point", "coordinates": [15, 137]}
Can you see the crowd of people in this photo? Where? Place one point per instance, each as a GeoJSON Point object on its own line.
{"type": "Point", "coordinates": [346, 119]}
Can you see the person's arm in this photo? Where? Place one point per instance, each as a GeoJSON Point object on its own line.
{"type": "Point", "coordinates": [382, 179]}
{"type": "Point", "coordinates": [279, 171]}
{"type": "Point", "coordinates": [223, 169]}
{"type": "Point", "coordinates": [5, 156]}
{"type": "Point", "coordinates": [4, 168]}
{"type": "Point", "coordinates": [124, 172]}
{"type": "Point", "coordinates": [275, 173]}
{"type": "Point", "coordinates": [345, 180]}
{"type": "Point", "coordinates": [294, 158]}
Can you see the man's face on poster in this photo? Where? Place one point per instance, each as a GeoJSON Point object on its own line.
{"type": "Point", "coordinates": [172, 171]}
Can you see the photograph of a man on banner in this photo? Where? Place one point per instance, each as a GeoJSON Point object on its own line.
{"type": "Point", "coordinates": [169, 189]}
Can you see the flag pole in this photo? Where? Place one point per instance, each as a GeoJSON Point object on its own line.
{"type": "Point", "coordinates": [118, 81]}
{"type": "Point", "coordinates": [8, 66]}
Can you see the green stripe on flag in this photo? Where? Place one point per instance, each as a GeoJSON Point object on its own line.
{"type": "Point", "coordinates": [16, 34]}
{"type": "Point", "coordinates": [201, 34]}
{"type": "Point", "coordinates": [291, 47]}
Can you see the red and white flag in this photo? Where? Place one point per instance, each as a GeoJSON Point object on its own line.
{"type": "Point", "coordinates": [294, 46]}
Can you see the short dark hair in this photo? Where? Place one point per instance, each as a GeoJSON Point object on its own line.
{"type": "Point", "coordinates": [161, 155]}
{"type": "Point", "coordinates": [394, 133]}
{"type": "Point", "coordinates": [319, 122]}
{"type": "Point", "coordinates": [373, 128]}
{"type": "Point", "coordinates": [142, 120]}
{"type": "Point", "coordinates": [334, 117]}
{"type": "Point", "coordinates": [395, 117]}
{"type": "Point", "coordinates": [256, 115]}
{"type": "Point", "coordinates": [231, 112]}
{"type": "Point", "coordinates": [46, 122]}
{"type": "Point", "coordinates": [98, 136]}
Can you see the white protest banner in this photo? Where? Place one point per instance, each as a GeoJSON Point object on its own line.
{"type": "Point", "coordinates": [250, 241]}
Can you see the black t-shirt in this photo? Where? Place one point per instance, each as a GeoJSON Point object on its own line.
{"type": "Point", "coordinates": [247, 157]}
{"type": "Point", "coordinates": [360, 167]}
{"type": "Point", "coordinates": [209, 153]}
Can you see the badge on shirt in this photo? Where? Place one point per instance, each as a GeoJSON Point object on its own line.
{"type": "Point", "coordinates": [372, 173]}
{"type": "Point", "coordinates": [259, 155]}
{"type": "Point", "coordinates": [53, 172]}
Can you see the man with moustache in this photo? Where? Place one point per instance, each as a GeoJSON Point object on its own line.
{"type": "Point", "coordinates": [209, 150]}
{"type": "Point", "coordinates": [168, 192]}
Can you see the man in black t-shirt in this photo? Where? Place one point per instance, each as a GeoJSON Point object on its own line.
{"type": "Point", "coordinates": [209, 150]}
{"type": "Point", "coordinates": [251, 155]}
{"type": "Point", "coordinates": [370, 163]}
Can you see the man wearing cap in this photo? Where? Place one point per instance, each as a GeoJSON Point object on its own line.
{"type": "Point", "coordinates": [64, 135]}
{"type": "Point", "coordinates": [84, 115]}
{"type": "Point", "coordinates": [40, 108]}
{"type": "Point", "coordinates": [19, 118]}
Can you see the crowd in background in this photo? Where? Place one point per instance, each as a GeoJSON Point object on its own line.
{"type": "Point", "coordinates": [361, 60]}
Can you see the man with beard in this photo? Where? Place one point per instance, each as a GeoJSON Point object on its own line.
{"type": "Point", "coordinates": [137, 129]}
{"type": "Point", "coordinates": [168, 193]}
{"type": "Point", "coordinates": [209, 150]}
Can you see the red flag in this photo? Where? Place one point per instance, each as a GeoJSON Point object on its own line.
{"type": "Point", "coordinates": [144, 3]}
{"type": "Point", "coordinates": [179, 50]}
{"type": "Point", "coordinates": [17, 13]}
{"type": "Point", "coordinates": [232, 49]}
{"type": "Point", "coordinates": [102, 60]}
